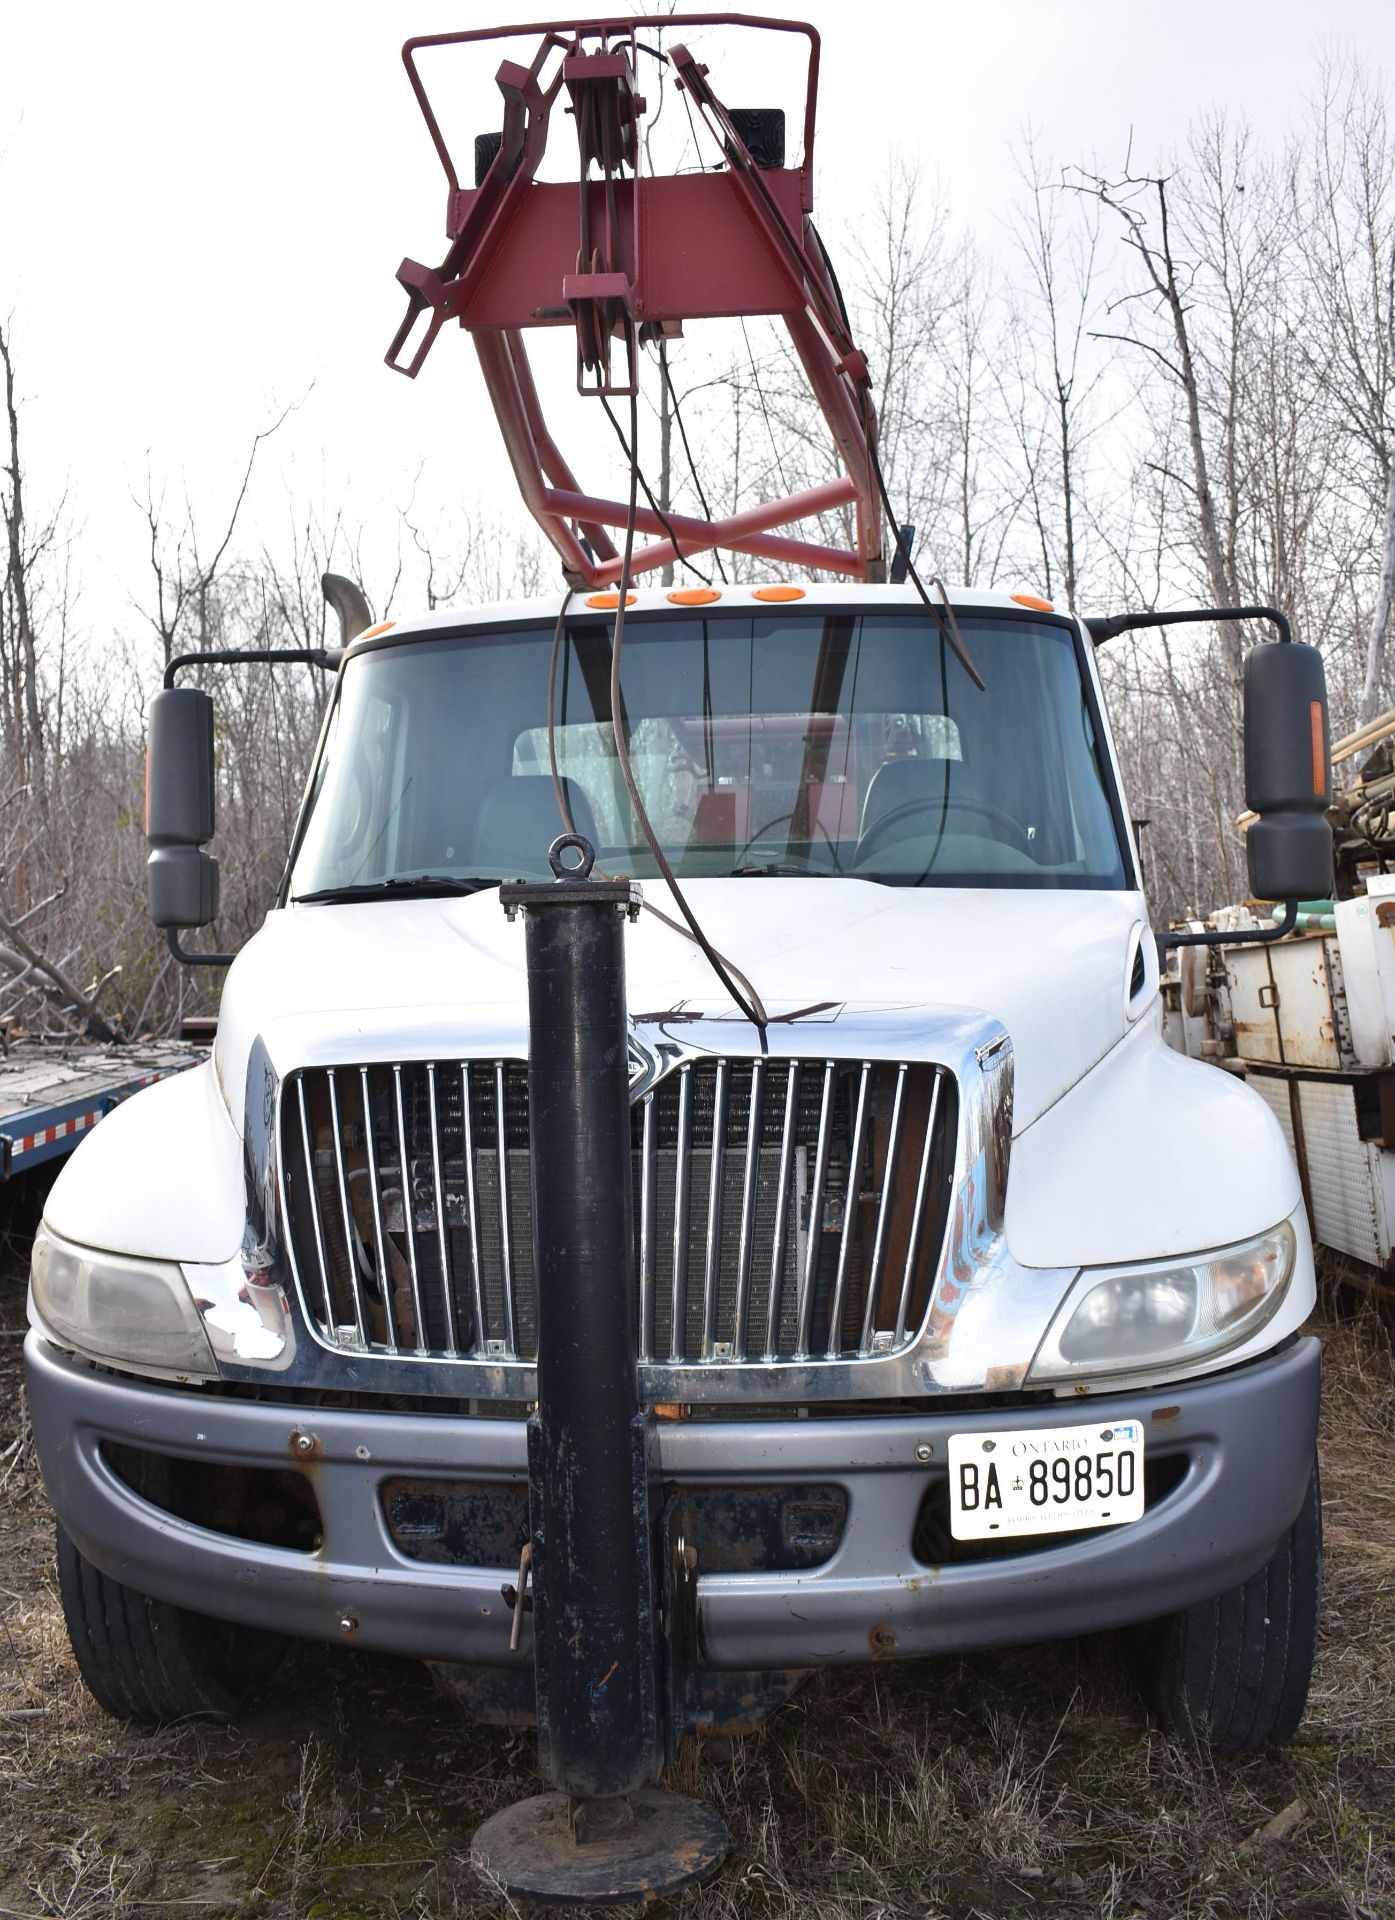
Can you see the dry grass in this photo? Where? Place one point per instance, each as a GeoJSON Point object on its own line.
{"type": "Point", "coordinates": [1009, 1784]}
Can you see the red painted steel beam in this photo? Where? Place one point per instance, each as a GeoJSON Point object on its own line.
{"type": "Point", "coordinates": [549, 457]}
{"type": "Point", "coordinates": [850, 431]}
{"type": "Point", "coordinates": [749, 531]}
{"type": "Point", "coordinates": [561, 33]}
{"type": "Point", "coordinates": [501, 379]}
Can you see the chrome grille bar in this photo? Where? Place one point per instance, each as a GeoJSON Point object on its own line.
{"type": "Point", "coordinates": [505, 1229]}
{"type": "Point", "coordinates": [874, 1277]}
{"type": "Point", "coordinates": [712, 1267]}
{"type": "Point", "coordinates": [850, 1202]}
{"type": "Point", "coordinates": [381, 1259]}
{"type": "Point", "coordinates": [312, 1189]}
{"type": "Point", "coordinates": [648, 1180]}
{"type": "Point", "coordinates": [679, 1301]}
{"type": "Point", "coordinates": [777, 1248]}
{"type": "Point", "coordinates": [442, 1238]}
{"type": "Point", "coordinates": [912, 1245]}
{"type": "Point", "coordinates": [815, 1231]}
{"type": "Point", "coordinates": [749, 1187]}
{"type": "Point", "coordinates": [472, 1211]}
{"type": "Point", "coordinates": [350, 1258]}
{"type": "Point", "coordinates": [409, 1224]}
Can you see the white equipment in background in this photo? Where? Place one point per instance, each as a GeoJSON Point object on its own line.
{"type": "Point", "coordinates": [1310, 1023]}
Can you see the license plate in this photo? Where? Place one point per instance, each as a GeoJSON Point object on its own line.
{"type": "Point", "coordinates": [1045, 1480]}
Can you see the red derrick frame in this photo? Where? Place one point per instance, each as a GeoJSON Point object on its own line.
{"type": "Point", "coordinates": [629, 257]}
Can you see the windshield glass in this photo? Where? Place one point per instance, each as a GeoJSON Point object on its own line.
{"type": "Point", "coordinates": [797, 742]}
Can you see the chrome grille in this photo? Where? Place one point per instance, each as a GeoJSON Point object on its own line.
{"type": "Point", "coordinates": [784, 1209]}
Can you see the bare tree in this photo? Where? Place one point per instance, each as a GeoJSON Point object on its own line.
{"type": "Point", "coordinates": [185, 573]}
{"type": "Point", "coordinates": [1348, 205]}
{"type": "Point", "coordinates": [25, 551]}
{"type": "Point", "coordinates": [488, 560]}
{"type": "Point", "coordinates": [1051, 435]}
{"type": "Point", "coordinates": [1142, 206]}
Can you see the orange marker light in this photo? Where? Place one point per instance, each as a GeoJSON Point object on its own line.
{"type": "Point", "coordinates": [1034, 601]}
{"type": "Point", "coordinates": [694, 596]}
{"type": "Point", "coordinates": [369, 633]}
{"type": "Point", "coordinates": [778, 593]}
{"type": "Point", "coordinates": [606, 601]}
{"type": "Point", "coordinates": [1319, 755]}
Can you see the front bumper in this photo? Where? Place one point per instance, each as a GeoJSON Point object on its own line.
{"type": "Point", "coordinates": [1244, 1442]}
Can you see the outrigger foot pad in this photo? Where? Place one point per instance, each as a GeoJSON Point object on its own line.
{"type": "Point", "coordinates": [561, 1852]}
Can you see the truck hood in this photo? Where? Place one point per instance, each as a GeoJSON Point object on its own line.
{"type": "Point", "coordinates": [429, 977]}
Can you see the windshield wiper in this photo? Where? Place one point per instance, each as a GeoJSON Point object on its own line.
{"type": "Point", "coordinates": [775, 867]}
{"type": "Point", "coordinates": [421, 886]}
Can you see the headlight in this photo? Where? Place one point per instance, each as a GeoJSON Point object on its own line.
{"type": "Point", "coordinates": [1130, 1319]}
{"type": "Point", "coordinates": [108, 1306]}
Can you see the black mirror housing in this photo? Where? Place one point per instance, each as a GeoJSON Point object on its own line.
{"type": "Point", "coordinates": [1287, 773]}
{"type": "Point", "coordinates": [183, 886]}
{"type": "Point", "coordinates": [182, 879]}
{"type": "Point", "coordinates": [1287, 745]}
{"type": "Point", "coordinates": [179, 769]}
{"type": "Point", "coordinates": [1290, 857]}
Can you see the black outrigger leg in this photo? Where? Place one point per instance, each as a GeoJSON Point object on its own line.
{"type": "Point", "coordinates": [605, 1834]}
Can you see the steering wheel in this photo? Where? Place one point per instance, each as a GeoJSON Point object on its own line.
{"type": "Point", "coordinates": [960, 804]}
{"type": "Point", "coordinates": [779, 821]}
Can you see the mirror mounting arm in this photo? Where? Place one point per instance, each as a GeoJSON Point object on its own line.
{"type": "Point", "coordinates": [1107, 627]}
{"type": "Point", "coordinates": [327, 658]}
{"type": "Point", "coordinates": [1242, 937]}
{"type": "Point", "coordinates": [188, 959]}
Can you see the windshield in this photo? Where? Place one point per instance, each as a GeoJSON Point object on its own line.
{"type": "Point", "coordinates": [843, 743]}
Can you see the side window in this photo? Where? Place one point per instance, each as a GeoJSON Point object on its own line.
{"type": "Point", "coordinates": [322, 766]}
{"type": "Point", "coordinates": [352, 830]}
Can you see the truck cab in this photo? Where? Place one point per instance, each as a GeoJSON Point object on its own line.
{"type": "Point", "coordinates": [968, 1312]}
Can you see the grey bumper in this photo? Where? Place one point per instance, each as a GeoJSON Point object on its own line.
{"type": "Point", "coordinates": [1246, 1437]}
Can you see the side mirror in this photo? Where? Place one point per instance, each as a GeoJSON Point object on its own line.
{"type": "Point", "coordinates": [182, 878]}
{"type": "Point", "coordinates": [1287, 773]}
{"type": "Point", "coordinates": [183, 886]}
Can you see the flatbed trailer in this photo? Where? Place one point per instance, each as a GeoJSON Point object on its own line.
{"type": "Point", "coordinates": [54, 1092]}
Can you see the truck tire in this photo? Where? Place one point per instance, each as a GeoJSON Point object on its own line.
{"type": "Point", "coordinates": [152, 1662]}
{"type": "Point", "coordinates": [1231, 1674]}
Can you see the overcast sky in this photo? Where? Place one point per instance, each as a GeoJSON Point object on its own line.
{"type": "Point", "coordinates": [202, 210]}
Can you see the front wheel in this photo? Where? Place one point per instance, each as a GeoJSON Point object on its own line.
{"type": "Point", "coordinates": [151, 1661]}
{"type": "Point", "coordinates": [1231, 1674]}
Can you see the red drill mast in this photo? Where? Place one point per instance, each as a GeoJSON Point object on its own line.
{"type": "Point", "coordinates": [628, 257]}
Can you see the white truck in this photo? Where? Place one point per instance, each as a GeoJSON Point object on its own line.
{"type": "Point", "coordinates": [968, 1311]}
{"type": "Point", "coordinates": [830, 1263]}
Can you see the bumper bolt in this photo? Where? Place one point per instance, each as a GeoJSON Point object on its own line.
{"type": "Point", "coordinates": [924, 1452]}
{"type": "Point", "coordinates": [348, 1623]}
{"type": "Point", "coordinates": [303, 1442]}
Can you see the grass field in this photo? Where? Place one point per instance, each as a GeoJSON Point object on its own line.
{"type": "Point", "coordinates": [1009, 1784]}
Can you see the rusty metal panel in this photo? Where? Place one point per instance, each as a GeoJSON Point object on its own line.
{"type": "Point", "coordinates": [1284, 1001]}
{"type": "Point", "coordinates": [1344, 1174]}
{"type": "Point", "coordinates": [1273, 1091]}
{"type": "Point", "coordinates": [1253, 1004]}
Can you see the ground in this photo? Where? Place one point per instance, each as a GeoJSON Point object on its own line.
{"type": "Point", "coordinates": [1007, 1785]}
